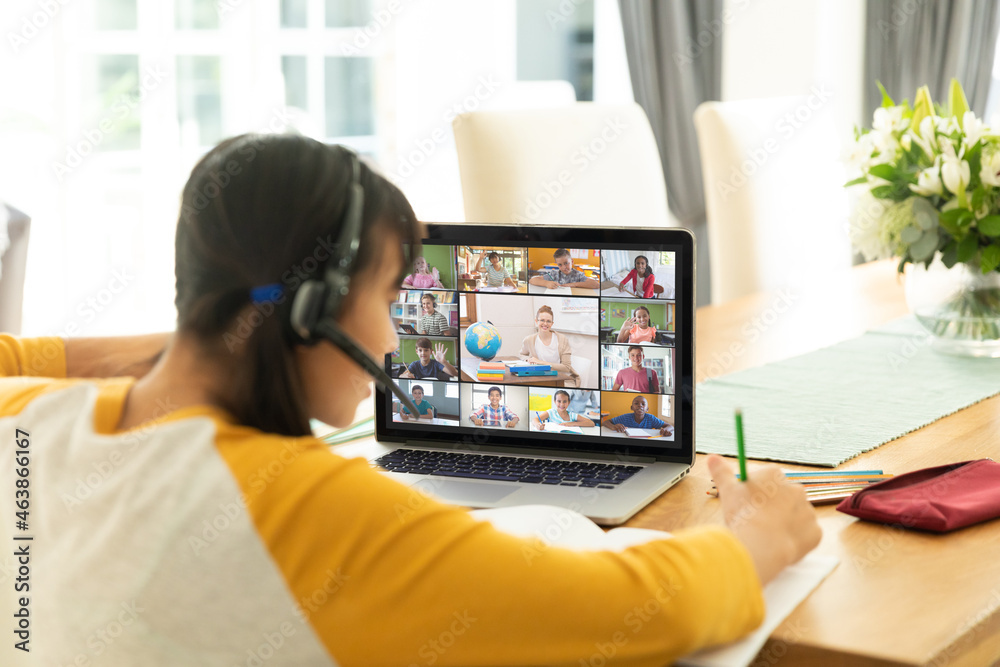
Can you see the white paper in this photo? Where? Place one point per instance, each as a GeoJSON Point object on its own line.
{"type": "Point", "coordinates": [567, 291]}
{"type": "Point", "coordinates": [565, 528]}
{"type": "Point", "coordinates": [636, 433]}
{"type": "Point", "coordinates": [561, 428]}
{"type": "Point", "coordinates": [781, 597]}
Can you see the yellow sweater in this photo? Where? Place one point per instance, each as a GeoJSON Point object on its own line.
{"type": "Point", "coordinates": [194, 540]}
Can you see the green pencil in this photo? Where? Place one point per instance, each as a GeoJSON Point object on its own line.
{"type": "Point", "coordinates": [739, 445]}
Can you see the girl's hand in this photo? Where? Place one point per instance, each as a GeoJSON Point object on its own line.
{"type": "Point", "coordinates": [778, 530]}
{"type": "Point", "coordinates": [629, 323]}
{"type": "Point", "coordinates": [439, 352]}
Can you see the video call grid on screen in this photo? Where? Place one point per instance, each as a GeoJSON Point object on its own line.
{"type": "Point", "coordinates": [614, 318]}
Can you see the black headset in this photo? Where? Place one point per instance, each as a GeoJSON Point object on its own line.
{"type": "Point", "coordinates": [317, 302]}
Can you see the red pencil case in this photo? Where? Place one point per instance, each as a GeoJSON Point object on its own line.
{"type": "Point", "coordinates": [938, 499]}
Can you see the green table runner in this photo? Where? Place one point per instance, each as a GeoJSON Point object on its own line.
{"type": "Point", "coordinates": [828, 406]}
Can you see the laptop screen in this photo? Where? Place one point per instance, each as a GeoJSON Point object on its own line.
{"type": "Point", "coordinates": [555, 337]}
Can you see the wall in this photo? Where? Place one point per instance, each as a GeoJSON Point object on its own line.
{"type": "Point", "coordinates": [441, 258]}
{"type": "Point", "coordinates": [539, 257]}
{"type": "Point", "coordinates": [776, 48]}
{"type": "Point", "coordinates": [408, 347]}
{"type": "Point", "coordinates": [657, 313]}
{"type": "Point", "coordinates": [444, 405]}
{"type": "Point", "coordinates": [619, 402]}
{"type": "Point", "coordinates": [512, 315]}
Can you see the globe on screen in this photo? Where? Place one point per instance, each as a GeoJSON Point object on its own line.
{"type": "Point", "coordinates": [482, 340]}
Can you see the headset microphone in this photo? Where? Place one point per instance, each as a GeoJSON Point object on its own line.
{"type": "Point", "coordinates": [317, 302]}
{"type": "Point", "coordinates": [331, 332]}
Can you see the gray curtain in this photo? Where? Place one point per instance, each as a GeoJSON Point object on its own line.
{"type": "Point", "coordinates": [675, 63]}
{"type": "Point", "coordinates": [909, 44]}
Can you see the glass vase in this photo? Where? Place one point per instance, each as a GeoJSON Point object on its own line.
{"type": "Point", "coordinates": [960, 307]}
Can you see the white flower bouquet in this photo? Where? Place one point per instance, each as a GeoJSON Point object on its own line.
{"type": "Point", "coordinates": [931, 178]}
{"type": "Point", "coordinates": [934, 174]}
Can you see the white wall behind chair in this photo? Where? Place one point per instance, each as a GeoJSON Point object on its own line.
{"type": "Point", "coordinates": [775, 48]}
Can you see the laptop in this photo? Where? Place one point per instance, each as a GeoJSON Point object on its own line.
{"type": "Point", "coordinates": [604, 424]}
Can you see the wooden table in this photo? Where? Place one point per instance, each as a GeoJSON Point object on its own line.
{"type": "Point", "coordinates": [897, 597]}
{"type": "Point", "coordinates": [470, 366]}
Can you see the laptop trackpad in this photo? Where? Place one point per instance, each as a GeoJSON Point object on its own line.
{"type": "Point", "coordinates": [466, 493]}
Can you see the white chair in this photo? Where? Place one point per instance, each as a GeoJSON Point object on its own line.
{"type": "Point", "coordinates": [13, 262]}
{"type": "Point", "coordinates": [582, 164]}
{"type": "Point", "coordinates": [776, 206]}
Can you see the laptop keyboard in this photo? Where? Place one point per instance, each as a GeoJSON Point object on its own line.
{"type": "Point", "coordinates": [507, 468]}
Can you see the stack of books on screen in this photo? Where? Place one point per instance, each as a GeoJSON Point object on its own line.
{"type": "Point", "coordinates": [532, 369]}
{"type": "Point", "coordinates": [490, 371]}
{"type": "Point", "coordinates": [832, 486]}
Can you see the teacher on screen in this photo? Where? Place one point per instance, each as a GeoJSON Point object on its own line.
{"type": "Point", "coordinates": [549, 347]}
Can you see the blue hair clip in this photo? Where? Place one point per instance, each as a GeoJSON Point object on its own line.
{"type": "Point", "coordinates": [266, 293]}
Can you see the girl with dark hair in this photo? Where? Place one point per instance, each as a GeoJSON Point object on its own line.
{"type": "Point", "coordinates": [638, 328]}
{"type": "Point", "coordinates": [559, 414]}
{"type": "Point", "coordinates": [496, 273]}
{"type": "Point", "coordinates": [191, 502]}
{"type": "Point", "coordinates": [641, 272]}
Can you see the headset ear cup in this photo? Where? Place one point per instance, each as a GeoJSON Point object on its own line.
{"type": "Point", "coordinates": [307, 308]}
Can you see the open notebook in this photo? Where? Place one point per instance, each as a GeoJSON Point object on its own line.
{"type": "Point", "coordinates": [572, 530]}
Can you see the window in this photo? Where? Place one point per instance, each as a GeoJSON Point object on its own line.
{"type": "Point", "coordinates": [129, 94]}
{"type": "Point", "coordinates": [152, 85]}
{"type": "Point", "coordinates": [556, 42]}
